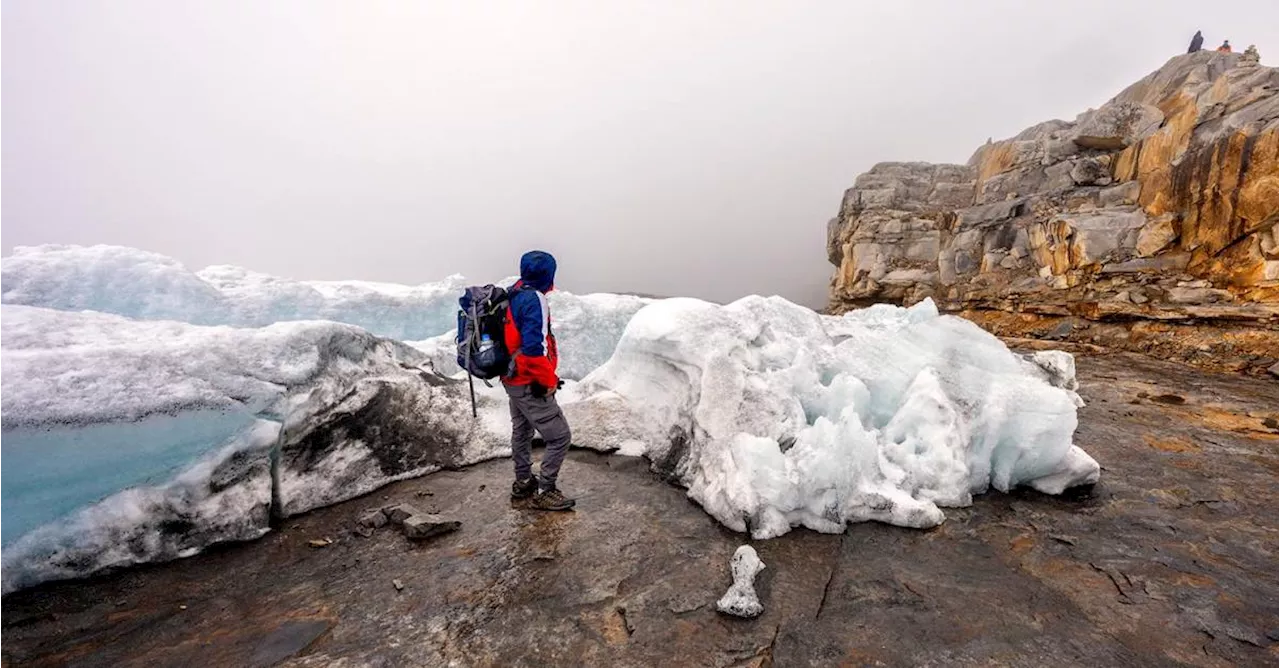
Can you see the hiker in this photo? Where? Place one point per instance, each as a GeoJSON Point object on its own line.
{"type": "Point", "coordinates": [1225, 48]}
{"type": "Point", "coordinates": [1196, 41]}
{"type": "Point", "coordinates": [531, 387]}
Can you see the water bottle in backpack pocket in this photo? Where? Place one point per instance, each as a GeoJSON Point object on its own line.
{"type": "Point", "coordinates": [482, 348]}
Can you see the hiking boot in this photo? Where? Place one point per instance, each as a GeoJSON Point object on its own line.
{"type": "Point", "coordinates": [523, 489]}
{"type": "Point", "coordinates": [551, 499]}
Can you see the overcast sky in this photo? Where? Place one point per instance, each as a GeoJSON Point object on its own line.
{"type": "Point", "coordinates": [693, 148]}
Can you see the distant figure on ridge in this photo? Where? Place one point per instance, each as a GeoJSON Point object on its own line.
{"type": "Point", "coordinates": [1225, 48]}
{"type": "Point", "coordinates": [1196, 42]}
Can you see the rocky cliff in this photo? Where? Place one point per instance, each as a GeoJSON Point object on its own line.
{"type": "Point", "coordinates": [1148, 224]}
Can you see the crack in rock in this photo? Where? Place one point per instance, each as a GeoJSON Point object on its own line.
{"type": "Point", "coordinates": [831, 576]}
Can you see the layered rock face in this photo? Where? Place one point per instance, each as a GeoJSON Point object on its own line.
{"type": "Point", "coordinates": [1148, 224]}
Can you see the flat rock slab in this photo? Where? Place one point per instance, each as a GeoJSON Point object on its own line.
{"type": "Point", "coordinates": [421, 527]}
{"type": "Point", "coordinates": [287, 640]}
{"type": "Point", "coordinates": [1170, 560]}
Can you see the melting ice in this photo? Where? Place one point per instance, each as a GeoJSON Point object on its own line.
{"type": "Point", "coordinates": [151, 436]}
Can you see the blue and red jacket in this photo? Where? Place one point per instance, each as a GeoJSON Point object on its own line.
{"type": "Point", "coordinates": [528, 330]}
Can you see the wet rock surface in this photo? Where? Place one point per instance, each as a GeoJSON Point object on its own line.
{"type": "Point", "coordinates": [1170, 559]}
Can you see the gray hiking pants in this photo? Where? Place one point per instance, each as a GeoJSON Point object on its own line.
{"type": "Point", "coordinates": [543, 414]}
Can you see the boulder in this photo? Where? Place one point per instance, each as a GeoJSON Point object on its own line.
{"type": "Point", "coordinates": [1156, 236]}
{"type": "Point", "coordinates": [1117, 125]}
{"type": "Point", "coordinates": [1090, 172]}
{"type": "Point", "coordinates": [1123, 194]}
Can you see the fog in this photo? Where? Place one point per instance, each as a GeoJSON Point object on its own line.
{"type": "Point", "coordinates": [654, 147]}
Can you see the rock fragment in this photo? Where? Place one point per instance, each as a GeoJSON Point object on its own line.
{"type": "Point", "coordinates": [373, 519]}
{"type": "Point", "coordinates": [421, 527]}
{"type": "Point", "coordinates": [400, 512]}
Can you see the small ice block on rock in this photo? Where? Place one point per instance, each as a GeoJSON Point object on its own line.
{"type": "Point", "coordinates": [741, 599]}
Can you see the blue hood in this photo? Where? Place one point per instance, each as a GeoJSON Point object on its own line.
{"type": "Point", "coordinates": [538, 269]}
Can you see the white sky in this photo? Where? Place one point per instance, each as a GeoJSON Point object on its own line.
{"type": "Point", "coordinates": [693, 148]}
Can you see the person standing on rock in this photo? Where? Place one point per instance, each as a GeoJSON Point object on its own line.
{"type": "Point", "coordinates": [1225, 48]}
{"type": "Point", "coordinates": [1196, 41]}
{"type": "Point", "coordinates": [531, 387]}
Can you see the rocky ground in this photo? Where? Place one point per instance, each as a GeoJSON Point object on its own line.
{"type": "Point", "coordinates": [1171, 559]}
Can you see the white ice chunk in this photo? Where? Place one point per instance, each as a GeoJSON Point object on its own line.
{"type": "Point", "coordinates": [773, 416]}
{"type": "Point", "coordinates": [1059, 369]}
{"type": "Point", "coordinates": [1077, 468]}
{"type": "Point", "coordinates": [741, 599]}
{"type": "Point", "coordinates": [1059, 366]}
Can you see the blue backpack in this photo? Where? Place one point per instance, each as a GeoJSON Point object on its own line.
{"type": "Point", "coordinates": [481, 338]}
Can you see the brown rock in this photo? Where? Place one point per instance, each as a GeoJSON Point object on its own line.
{"type": "Point", "coordinates": [1118, 124]}
{"type": "Point", "coordinates": [1032, 222]}
{"type": "Point", "coordinates": [1156, 236]}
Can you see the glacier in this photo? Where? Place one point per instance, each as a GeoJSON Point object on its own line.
{"type": "Point", "coordinates": [148, 286]}
{"type": "Point", "coordinates": [128, 441]}
{"type": "Point", "coordinates": [587, 329]}
{"type": "Point", "coordinates": [149, 412]}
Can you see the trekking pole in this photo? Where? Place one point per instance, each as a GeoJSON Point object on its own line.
{"type": "Point", "coordinates": [471, 383]}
